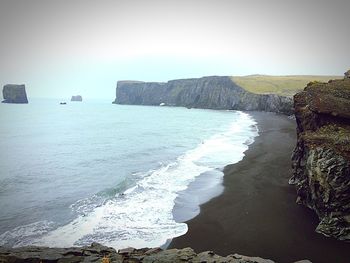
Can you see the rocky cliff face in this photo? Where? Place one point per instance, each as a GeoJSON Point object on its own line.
{"type": "Point", "coordinates": [321, 159]}
{"type": "Point", "coordinates": [14, 94]}
{"type": "Point", "coordinates": [99, 253]}
{"type": "Point", "coordinates": [207, 92]}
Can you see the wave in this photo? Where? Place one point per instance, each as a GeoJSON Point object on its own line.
{"type": "Point", "coordinates": [141, 216]}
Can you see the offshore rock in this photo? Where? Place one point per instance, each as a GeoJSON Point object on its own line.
{"type": "Point", "coordinates": [99, 253]}
{"type": "Point", "coordinates": [321, 159]}
{"type": "Point", "coordinates": [208, 92]}
{"type": "Point", "coordinates": [77, 98]}
{"type": "Point", "coordinates": [14, 94]}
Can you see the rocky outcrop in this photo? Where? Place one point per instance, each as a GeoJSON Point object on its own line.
{"type": "Point", "coordinates": [77, 98]}
{"type": "Point", "coordinates": [321, 159]}
{"type": "Point", "coordinates": [207, 92]}
{"type": "Point", "coordinates": [347, 74]}
{"type": "Point", "coordinates": [14, 94]}
{"type": "Point", "coordinates": [99, 253]}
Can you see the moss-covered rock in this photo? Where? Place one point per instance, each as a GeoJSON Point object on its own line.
{"type": "Point", "coordinates": [321, 159]}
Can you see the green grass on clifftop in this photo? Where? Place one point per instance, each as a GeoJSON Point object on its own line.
{"type": "Point", "coordinates": [280, 85]}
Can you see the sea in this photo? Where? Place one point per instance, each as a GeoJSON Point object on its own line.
{"type": "Point", "coordinates": [120, 175]}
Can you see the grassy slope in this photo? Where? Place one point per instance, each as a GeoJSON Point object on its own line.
{"type": "Point", "coordinates": [281, 85]}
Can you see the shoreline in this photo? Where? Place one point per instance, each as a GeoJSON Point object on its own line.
{"type": "Point", "coordinates": [256, 214]}
{"type": "Point", "coordinates": [205, 187]}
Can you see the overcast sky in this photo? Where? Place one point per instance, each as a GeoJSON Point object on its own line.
{"type": "Point", "coordinates": [63, 47]}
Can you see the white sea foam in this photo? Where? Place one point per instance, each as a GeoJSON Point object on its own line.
{"type": "Point", "coordinates": [142, 215]}
{"type": "Point", "coordinates": [23, 235]}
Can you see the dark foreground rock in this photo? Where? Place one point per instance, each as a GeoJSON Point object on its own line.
{"type": "Point", "coordinates": [100, 253]}
{"type": "Point", "coordinates": [321, 159]}
{"type": "Point", "coordinates": [77, 98]}
{"type": "Point", "coordinates": [208, 92]}
{"type": "Point", "coordinates": [14, 94]}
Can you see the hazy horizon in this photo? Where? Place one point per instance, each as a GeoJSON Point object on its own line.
{"type": "Point", "coordinates": [62, 48]}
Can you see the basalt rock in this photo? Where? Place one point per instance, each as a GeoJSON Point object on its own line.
{"type": "Point", "coordinates": [77, 98]}
{"type": "Point", "coordinates": [321, 159]}
{"type": "Point", "coordinates": [14, 94]}
{"type": "Point", "coordinates": [100, 253]}
{"type": "Point", "coordinates": [347, 74]}
{"type": "Point", "coordinates": [208, 92]}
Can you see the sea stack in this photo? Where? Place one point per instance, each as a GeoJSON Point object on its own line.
{"type": "Point", "coordinates": [321, 159]}
{"type": "Point", "coordinates": [14, 94]}
{"type": "Point", "coordinates": [77, 98]}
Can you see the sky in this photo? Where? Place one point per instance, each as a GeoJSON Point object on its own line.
{"type": "Point", "coordinates": [59, 48]}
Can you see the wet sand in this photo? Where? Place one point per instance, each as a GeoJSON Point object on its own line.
{"type": "Point", "coordinates": [256, 215]}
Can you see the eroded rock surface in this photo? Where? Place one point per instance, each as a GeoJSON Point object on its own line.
{"type": "Point", "coordinates": [100, 253]}
{"type": "Point", "coordinates": [321, 159]}
{"type": "Point", "coordinates": [208, 92]}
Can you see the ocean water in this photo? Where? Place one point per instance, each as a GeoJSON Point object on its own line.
{"type": "Point", "coordinates": [115, 174]}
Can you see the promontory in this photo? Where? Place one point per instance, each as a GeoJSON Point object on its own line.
{"type": "Point", "coordinates": [214, 92]}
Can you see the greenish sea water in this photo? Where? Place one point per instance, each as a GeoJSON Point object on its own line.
{"type": "Point", "coordinates": [97, 172]}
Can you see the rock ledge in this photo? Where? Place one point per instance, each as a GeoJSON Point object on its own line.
{"type": "Point", "coordinates": [99, 253]}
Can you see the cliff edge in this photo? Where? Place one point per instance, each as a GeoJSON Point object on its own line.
{"type": "Point", "coordinates": [321, 159]}
{"type": "Point", "coordinates": [215, 92]}
{"type": "Point", "coordinates": [14, 94]}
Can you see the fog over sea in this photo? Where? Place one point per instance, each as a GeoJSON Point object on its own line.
{"type": "Point", "coordinates": [120, 175]}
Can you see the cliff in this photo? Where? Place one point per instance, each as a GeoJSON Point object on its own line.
{"type": "Point", "coordinates": [207, 92]}
{"type": "Point", "coordinates": [14, 94]}
{"type": "Point", "coordinates": [321, 159]}
{"type": "Point", "coordinates": [99, 253]}
{"type": "Point", "coordinates": [76, 98]}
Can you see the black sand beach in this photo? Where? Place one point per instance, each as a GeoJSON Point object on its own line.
{"type": "Point", "coordinates": [257, 215]}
